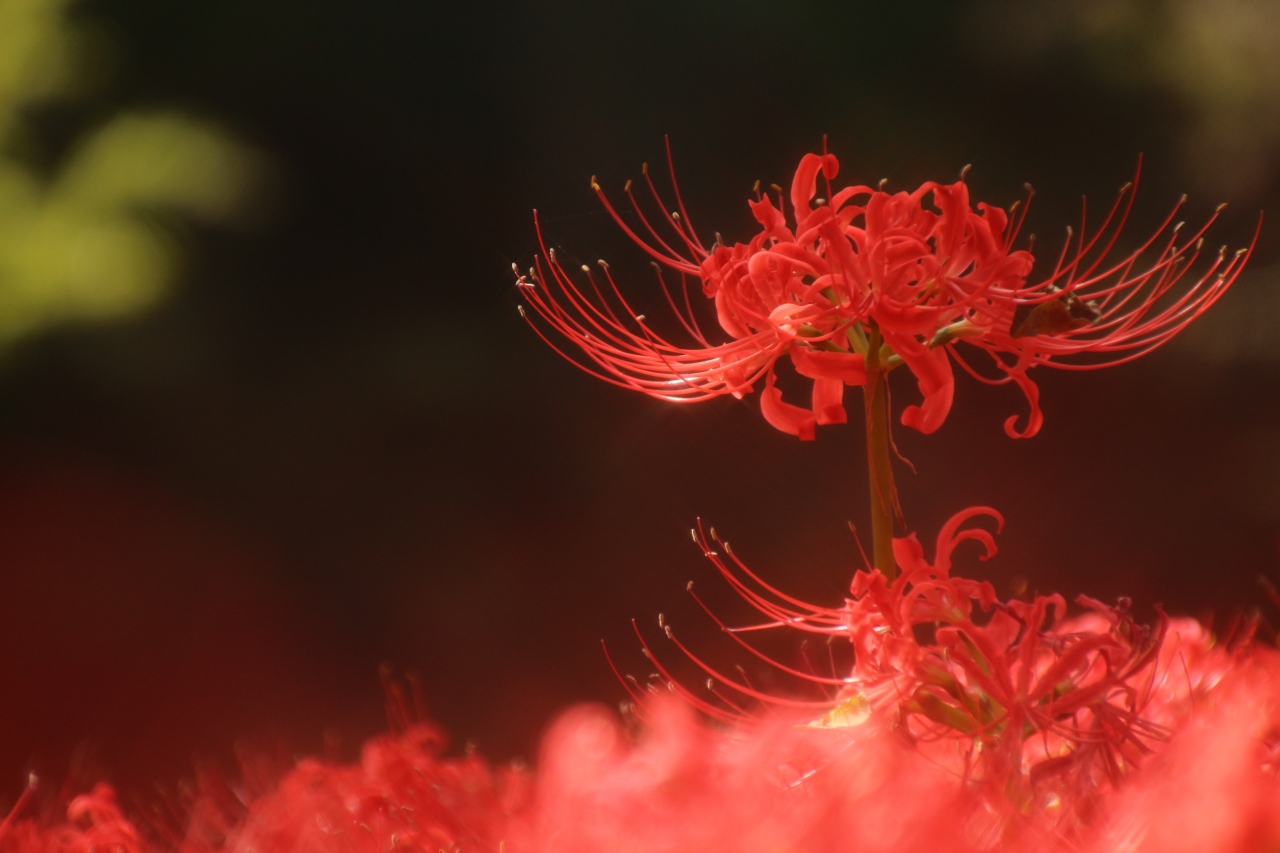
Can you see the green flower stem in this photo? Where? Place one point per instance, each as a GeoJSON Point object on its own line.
{"type": "Point", "coordinates": [879, 462]}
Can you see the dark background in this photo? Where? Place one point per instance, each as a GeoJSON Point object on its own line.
{"type": "Point", "coordinates": [336, 444]}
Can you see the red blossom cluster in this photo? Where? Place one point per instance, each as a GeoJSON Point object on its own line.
{"type": "Point", "coordinates": [1005, 726]}
{"type": "Point", "coordinates": [685, 788]}
{"type": "Point", "coordinates": [1011, 696]}
{"type": "Point", "coordinates": [679, 786]}
{"type": "Point", "coordinates": [402, 795]}
{"type": "Point", "coordinates": [863, 280]}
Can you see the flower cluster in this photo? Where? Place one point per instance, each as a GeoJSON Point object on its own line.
{"type": "Point", "coordinates": [860, 281]}
{"type": "Point", "coordinates": [1013, 696]}
{"type": "Point", "coordinates": [403, 794]}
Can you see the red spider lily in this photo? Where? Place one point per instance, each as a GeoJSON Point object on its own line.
{"type": "Point", "coordinates": [908, 274]}
{"type": "Point", "coordinates": [1010, 695]}
{"type": "Point", "coordinates": [1115, 310]}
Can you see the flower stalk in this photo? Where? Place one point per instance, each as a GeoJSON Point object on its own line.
{"type": "Point", "coordinates": [879, 464]}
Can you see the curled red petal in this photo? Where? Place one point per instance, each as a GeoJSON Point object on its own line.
{"type": "Point", "coordinates": [828, 401]}
{"type": "Point", "coordinates": [951, 535]}
{"type": "Point", "coordinates": [847, 367]}
{"type": "Point", "coordinates": [1035, 418]}
{"type": "Point", "coordinates": [784, 416]}
{"type": "Point", "coordinates": [932, 369]}
{"type": "Point", "coordinates": [805, 183]}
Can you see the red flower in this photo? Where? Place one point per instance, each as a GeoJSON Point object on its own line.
{"type": "Point", "coordinates": [1013, 696]}
{"type": "Point", "coordinates": [1114, 310]}
{"type": "Point", "coordinates": [911, 274]}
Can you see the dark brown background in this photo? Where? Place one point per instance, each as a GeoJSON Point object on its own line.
{"type": "Point", "coordinates": [337, 445]}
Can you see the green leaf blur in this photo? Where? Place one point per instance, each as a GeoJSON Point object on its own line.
{"type": "Point", "coordinates": [93, 239]}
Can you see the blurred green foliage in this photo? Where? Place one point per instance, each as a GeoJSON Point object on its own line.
{"type": "Point", "coordinates": [91, 239]}
{"type": "Point", "coordinates": [1218, 61]}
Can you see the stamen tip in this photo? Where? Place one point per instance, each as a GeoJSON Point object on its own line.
{"type": "Point", "coordinates": [595, 186]}
{"type": "Point", "coordinates": [627, 187]}
{"type": "Point", "coordinates": [965, 171]}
